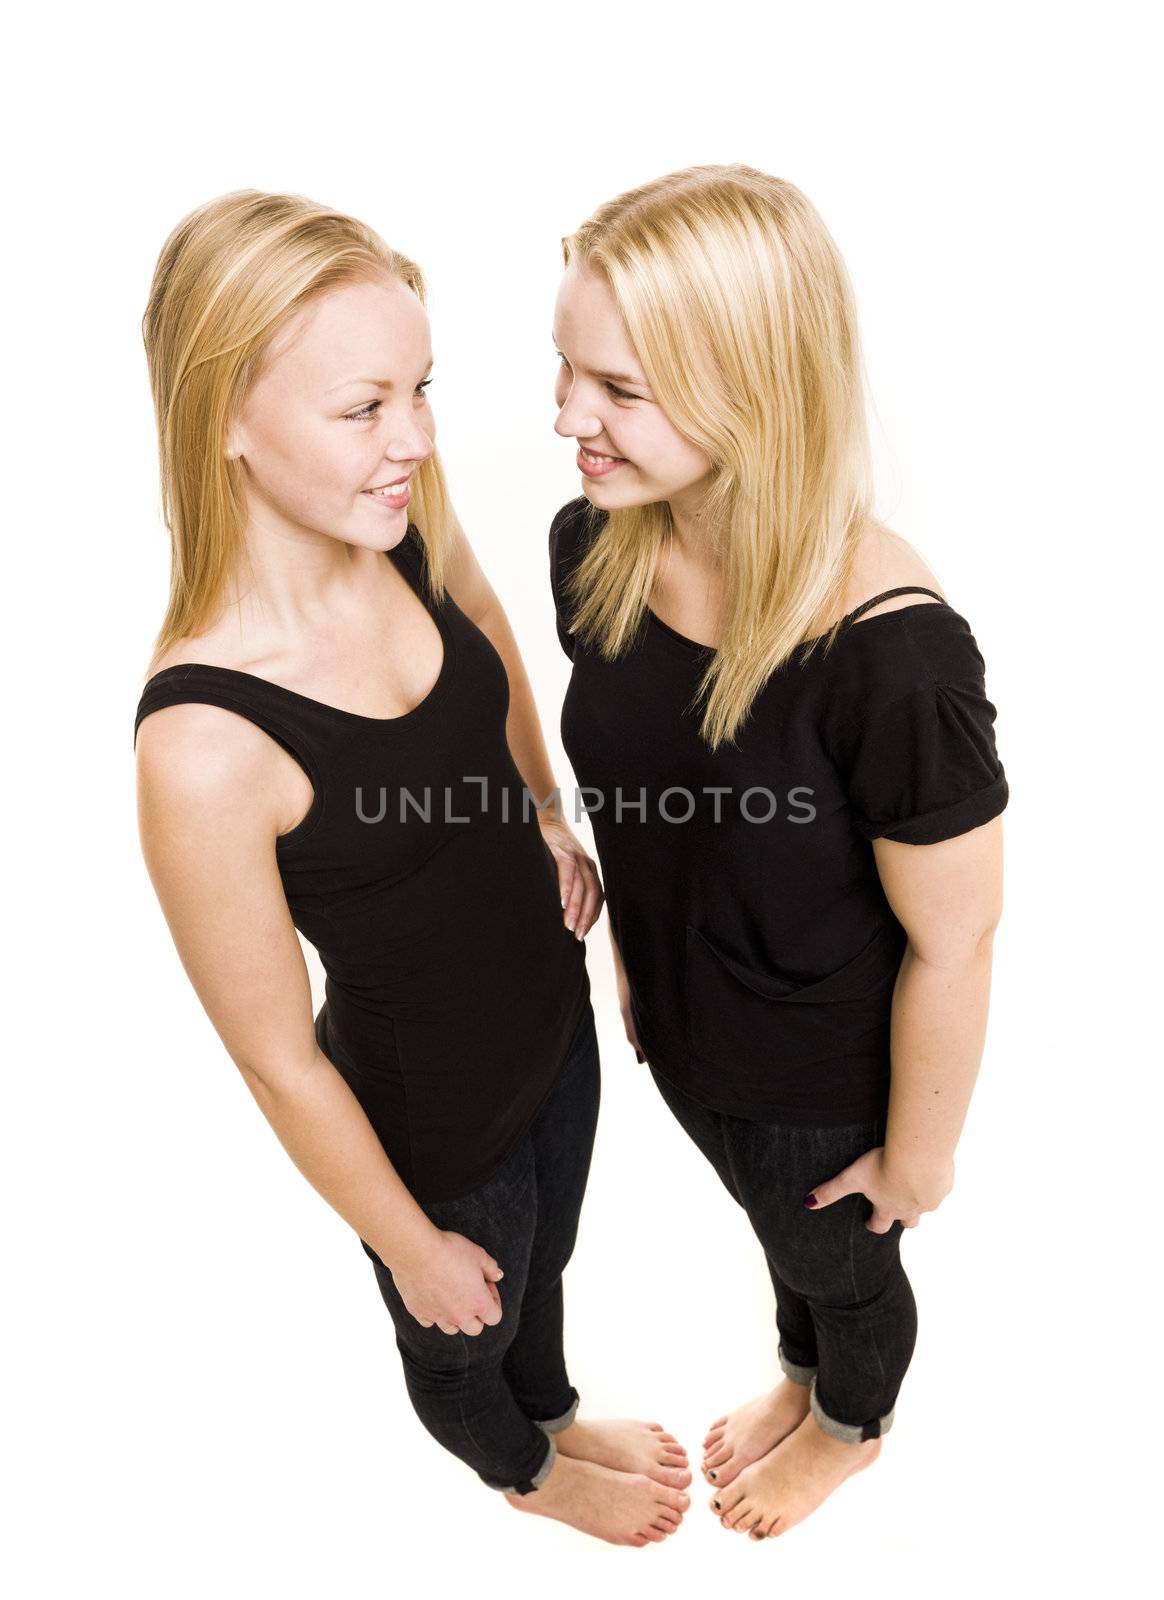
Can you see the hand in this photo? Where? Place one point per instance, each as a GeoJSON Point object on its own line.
{"type": "Point", "coordinates": [451, 1286]}
{"type": "Point", "coordinates": [895, 1196]}
{"type": "Point", "coordinates": [578, 884]}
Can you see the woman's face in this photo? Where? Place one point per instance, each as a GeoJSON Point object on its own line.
{"type": "Point", "coordinates": [606, 404]}
{"type": "Point", "coordinates": [338, 411]}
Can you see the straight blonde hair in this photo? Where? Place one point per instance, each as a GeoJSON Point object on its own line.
{"type": "Point", "coordinates": [739, 307]}
{"type": "Point", "coordinates": [230, 276]}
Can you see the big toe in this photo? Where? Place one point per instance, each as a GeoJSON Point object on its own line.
{"type": "Point", "coordinates": [725, 1472]}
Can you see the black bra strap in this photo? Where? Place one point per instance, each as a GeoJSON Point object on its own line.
{"type": "Point", "coordinates": [909, 588]}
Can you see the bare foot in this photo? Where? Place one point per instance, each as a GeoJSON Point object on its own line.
{"type": "Point", "coordinates": [786, 1485]}
{"type": "Point", "coordinates": [628, 1446]}
{"type": "Point", "coordinates": [620, 1507]}
{"type": "Point", "coordinates": [754, 1428]}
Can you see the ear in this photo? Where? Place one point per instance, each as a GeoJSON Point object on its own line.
{"type": "Point", "coordinates": [233, 447]}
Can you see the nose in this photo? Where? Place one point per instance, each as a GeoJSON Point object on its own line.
{"type": "Point", "coordinates": [415, 445]}
{"type": "Point", "coordinates": [573, 423]}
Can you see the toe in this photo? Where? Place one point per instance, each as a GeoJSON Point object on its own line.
{"type": "Point", "coordinates": [717, 1457]}
{"type": "Point", "coordinates": [726, 1473]}
{"type": "Point", "coordinates": [726, 1500]}
{"type": "Point", "coordinates": [740, 1516]}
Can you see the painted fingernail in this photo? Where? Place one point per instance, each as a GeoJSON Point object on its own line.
{"type": "Point", "coordinates": [810, 1200]}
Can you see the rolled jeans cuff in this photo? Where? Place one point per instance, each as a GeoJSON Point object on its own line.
{"type": "Point", "coordinates": [539, 1477]}
{"type": "Point", "coordinates": [798, 1374]}
{"type": "Point", "coordinates": [848, 1432]}
{"type": "Point", "coordinates": [556, 1424]}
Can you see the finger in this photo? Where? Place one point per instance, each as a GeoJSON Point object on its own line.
{"type": "Point", "coordinates": [567, 872]}
{"type": "Point", "coordinates": [472, 1326]}
{"type": "Point", "coordinates": [912, 1222]}
{"type": "Point", "coordinates": [574, 901]}
{"type": "Point", "coordinates": [489, 1267]}
{"type": "Point", "coordinates": [834, 1189]}
{"type": "Point", "coordinates": [592, 903]}
{"type": "Point", "coordinates": [446, 1327]}
{"type": "Point", "coordinates": [880, 1221]}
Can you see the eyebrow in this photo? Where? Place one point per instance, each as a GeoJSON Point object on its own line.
{"type": "Point", "coordinates": [614, 377]}
{"type": "Point", "coordinates": [376, 383]}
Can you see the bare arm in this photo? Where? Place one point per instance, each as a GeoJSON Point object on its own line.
{"type": "Point", "coordinates": [208, 818]}
{"type": "Point", "coordinates": [948, 897]}
{"type": "Point", "coordinates": [577, 874]}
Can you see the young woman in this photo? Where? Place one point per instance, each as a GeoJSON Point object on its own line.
{"type": "Point", "coordinates": [791, 766]}
{"type": "Point", "coordinates": [324, 744]}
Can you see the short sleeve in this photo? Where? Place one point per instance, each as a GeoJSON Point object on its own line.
{"type": "Point", "coordinates": [925, 767]}
{"type": "Point", "coordinates": [566, 548]}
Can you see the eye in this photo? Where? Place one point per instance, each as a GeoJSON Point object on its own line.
{"type": "Point", "coordinates": [366, 413]}
{"type": "Point", "coordinates": [621, 393]}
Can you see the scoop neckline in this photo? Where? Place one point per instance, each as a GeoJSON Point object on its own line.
{"type": "Point", "coordinates": [421, 707]}
{"type": "Point", "coordinates": [846, 625]}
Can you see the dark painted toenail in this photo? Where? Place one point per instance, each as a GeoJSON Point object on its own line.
{"type": "Point", "coordinates": [718, 1507]}
{"type": "Point", "coordinates": [712, 1476]}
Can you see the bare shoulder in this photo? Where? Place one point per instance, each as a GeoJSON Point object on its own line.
{"type": "Point", "coordinates": [202, 768]}
{"type": "Point", "coordinates": [885, 560]}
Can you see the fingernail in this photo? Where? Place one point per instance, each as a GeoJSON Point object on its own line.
{"type": "Point", "coordinates": [810, 1200]}
{"type": "Point", "coordinates": [563, 902]}
{"type": "Point", "coordinates": [570, 925]}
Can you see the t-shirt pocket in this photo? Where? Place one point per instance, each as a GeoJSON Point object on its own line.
{"type": "Point", "coordinates": [752, 1022]}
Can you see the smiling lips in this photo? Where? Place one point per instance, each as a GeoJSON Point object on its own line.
{"type": "Point", "coordinates": [597, 466]}
{"type": "Point", "coordinates": [392, 494]}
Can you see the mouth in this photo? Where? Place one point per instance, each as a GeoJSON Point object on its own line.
{"type": "Point", "coordinates": [598, 466]}
{"type": "Point", "coordinates": [393, 494]}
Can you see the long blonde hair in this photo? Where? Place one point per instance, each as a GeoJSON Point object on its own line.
{"type": "Point", "coordinates": [739, 307]}
{"type": "Point", "coordinates": [230, 276]}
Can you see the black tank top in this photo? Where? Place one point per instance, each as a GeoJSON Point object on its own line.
{"type": "Point", "coordinates": [453, 986]}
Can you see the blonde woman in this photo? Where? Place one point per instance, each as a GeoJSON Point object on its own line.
{"type": "Point", "coordinates": [333, 738]}
{"type": "Point", "coordinates": [780, 726]}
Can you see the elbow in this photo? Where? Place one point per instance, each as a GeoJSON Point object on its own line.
{"type": "Point", "coordinates": [272, 1078]}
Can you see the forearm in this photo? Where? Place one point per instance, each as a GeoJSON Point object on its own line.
{"type": "Point", "coordinates": [937, 1033]}
{"type": "Point", "coordinates": [523, 726]}
{"type": "Point", "coordinates": [322, 1126]}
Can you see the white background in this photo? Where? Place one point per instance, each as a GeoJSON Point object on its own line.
{"type": "Point", "coordinates": [204, 1396]}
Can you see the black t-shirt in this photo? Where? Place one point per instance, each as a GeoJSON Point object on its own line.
{"type": "Point", "coordinates": [453, 985]}
{"type": "Point", "coordinates": [760, 950]}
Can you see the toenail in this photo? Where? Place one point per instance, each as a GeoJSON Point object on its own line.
{"type": "Point", "coordinates": [712, 1476]}
{"type": "Point", "coordinates": [717, 1505]}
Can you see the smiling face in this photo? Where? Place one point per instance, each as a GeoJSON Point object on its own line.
{"type": "Point", "coordinates": [607, 405]}
{"type": "Point", "coordinates": [339, 410]}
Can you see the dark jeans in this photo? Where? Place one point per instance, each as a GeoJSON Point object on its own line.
{"type": "Point", "coordinates": [845, 1312]}
{"type": "Point", "coordinates": [496, 1398]}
